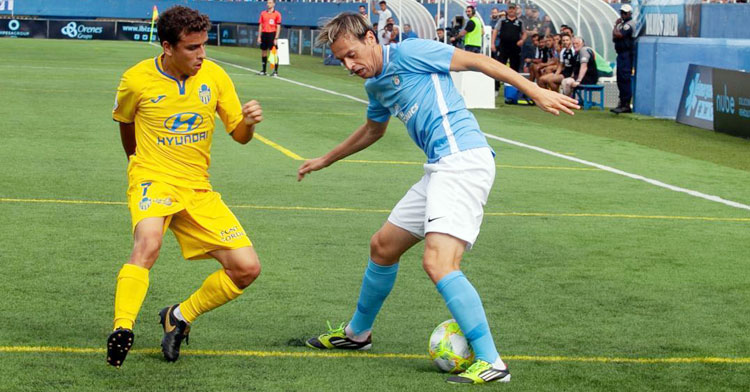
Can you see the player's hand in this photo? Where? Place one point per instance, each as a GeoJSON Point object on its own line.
{"type": "Point", "coordinates": [519, 43]}
{"type": "Point", "coordinates": [310, 165]}
{"type": "Point", "coordinates": [554, 102]}
{"type": "Point", "coordinates": [575, 84]}
{"type": "Point", "coordinates": [252, 113]}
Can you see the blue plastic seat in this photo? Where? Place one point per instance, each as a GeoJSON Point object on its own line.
{"type": "Point", "coordinates": [585, 95]}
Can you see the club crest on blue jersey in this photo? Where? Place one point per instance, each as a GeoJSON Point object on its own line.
{"type": "Point", "coordinates": [183, 122]}
{"type": "Point", "coordinates": [205, 94]}
{"type": "Point", "coordinates": [396, 80]}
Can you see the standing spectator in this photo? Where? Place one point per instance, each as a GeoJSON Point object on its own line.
{"type": "Point", "coordinates": [585, 68]}
{"type": "Point", "coordinates": [270, 28]}
{"type": "Point", "coordinates": [511, 33]}
{"type": "Point", "coordinates": [472, 32]}
{"type": "Point", "coordinates": [548, 28]}
{"type": "Point", "coordinates": [383, 14]}
{"type": "Point", "coordinates": [408, 32]}
{"type": "Point", "coordinates": [622, 35]}
{"type": "Point", "coordinates": [363, 12]}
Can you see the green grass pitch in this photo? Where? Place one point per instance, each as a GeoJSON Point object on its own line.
{"type": "Point", "coordinates": [591, 281]}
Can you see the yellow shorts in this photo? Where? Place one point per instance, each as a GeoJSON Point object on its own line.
{"type": "Point", "coordinates": [198, 218]}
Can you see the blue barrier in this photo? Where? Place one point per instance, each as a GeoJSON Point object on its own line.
{"type": "Point", "coordinates": [725, 21]}
{"type": "Point", "coordinates": [662, 65]}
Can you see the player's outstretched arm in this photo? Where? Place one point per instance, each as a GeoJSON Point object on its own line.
{"type": "Point", "coordinates": [127, 135]}
{"type": "Point", "coordinates": [549, 101]}
{"type": "Point", "coordinates": [252, 114]}
{"type": "Point", "coordinates": [363, 137]}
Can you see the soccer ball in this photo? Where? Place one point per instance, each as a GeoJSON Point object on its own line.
{"type": "Point", "coordinates": [449, 349]}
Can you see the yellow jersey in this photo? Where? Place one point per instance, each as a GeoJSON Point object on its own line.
{"type": "Point", "coordinates": [175, 120]}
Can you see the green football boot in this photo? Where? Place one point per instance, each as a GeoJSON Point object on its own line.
{"type": "Point", "coordinates": [336, 338]}
{"type": "Point", "coordinates": [480, 372]}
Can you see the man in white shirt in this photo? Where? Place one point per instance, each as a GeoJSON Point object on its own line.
{"type": "Point", "coordinates": [383, 14]}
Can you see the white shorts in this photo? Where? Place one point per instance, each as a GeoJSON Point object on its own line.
{"type": "Point", "coordinates": [450, 197]}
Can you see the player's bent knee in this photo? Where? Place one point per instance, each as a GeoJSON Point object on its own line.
{"type": "Point", "coordinates": [245, 273]}
{"type": "Point", "coordinates": [146, 251]}
{"type": "Point", "coordinates": [380, 252]}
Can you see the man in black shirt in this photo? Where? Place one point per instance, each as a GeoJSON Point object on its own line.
{"type": "Point", "coordinates": [584, 63]}
{"type": "Point", "coordinates": [622, 35]}
{"type": "Point", "coordinates": [512, 35]}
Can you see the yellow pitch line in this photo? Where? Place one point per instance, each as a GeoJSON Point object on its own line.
{"type": "Point", "coordinates": [299, 208]}
{"type": "Point", "coordinates": [319, 354]}
{"type": "Point", "coordinates": [283, 150]}
{"type": "Point", "coordinates": [379, 211]}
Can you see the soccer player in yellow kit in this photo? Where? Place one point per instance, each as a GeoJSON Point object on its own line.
{"type": "Point", "coordinates": [166, 108]}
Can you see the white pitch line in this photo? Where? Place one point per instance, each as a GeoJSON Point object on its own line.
{"type": "Point", "coordinates": [353, 98]}
{"type": "Point", "coordinates": [624, 173]}
{"type": "Point", "coordinates": [639, 177]}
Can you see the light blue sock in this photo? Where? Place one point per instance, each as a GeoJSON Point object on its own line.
{"type": "Point", "coordinates": [376, 285]}
{"type": "Point", "coordinates": [466, 307]}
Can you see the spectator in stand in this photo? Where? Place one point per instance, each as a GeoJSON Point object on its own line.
{"type": "Point", "coordinates": [552, 58]}
{"type": "Point", "coordinates": [511, 33]}
{"type": "Point", "coordinates": [531, 24]}
{"type": "Point", "coordinates": [363, 12]}
{"type": "Point", "coordinates": [383, 15]}
{"type": "Point", "coordinates": [440, 34]}
{"type": "Point", "coordinates": [540, 56]}
{"type": "Point", "coordinates": [585, 68]}
{"type": "Point", "coordinates": [547, 27]}
{"type": "Point", "coordinates": [408, 32]}
{"type": "Point", "coordinates": [622, 35]}
{"type": "Point", "coordinates": [395, 32]}
{"type": "Point", "coordinates": [565, 66]}
{"type": "Point", "coordinates": [472, 32]}
{"type": "Point", "coordinates": [439, 20]}
{"type": "Point", "coordinates": [566, 29]}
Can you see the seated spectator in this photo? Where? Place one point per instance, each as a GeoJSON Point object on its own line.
{"type": "Point", "coordinates": [539, 57]}
{"type": "Point", "coordinates": [552, 57]}
{"type": "Point", "coordinates": [585, 68]}
{"type": "Point", "coordinates": [565, 67]}
{"type": "Point", "coordinates": [408, 32]}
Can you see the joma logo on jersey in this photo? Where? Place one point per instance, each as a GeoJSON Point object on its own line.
{"type": "Point", "coordinates": [183, 122]}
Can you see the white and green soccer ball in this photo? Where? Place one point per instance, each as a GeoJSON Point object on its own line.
{"type": "Point", "coordinates": [449, 349]}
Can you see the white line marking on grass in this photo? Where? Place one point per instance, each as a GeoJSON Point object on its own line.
{"type": "Point", "coordinates": [353, 98]}
{"type": "Point", "coordinates": [639, 177]}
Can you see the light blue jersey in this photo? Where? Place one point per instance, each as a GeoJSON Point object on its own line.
{"type": "Point", "coordinates": [415, 85]}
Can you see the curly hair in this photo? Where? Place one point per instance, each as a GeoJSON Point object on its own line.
{"type": "Point", "coordinates": [180, 20]}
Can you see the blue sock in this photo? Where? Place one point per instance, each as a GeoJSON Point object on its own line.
{"type": "Point", "coordinates": [466, 307]}
{"type": "Point", "coordinates": [376, 285]}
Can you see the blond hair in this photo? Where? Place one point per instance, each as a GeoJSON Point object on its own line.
{"type": "Point", "coordinates": [342, 24]}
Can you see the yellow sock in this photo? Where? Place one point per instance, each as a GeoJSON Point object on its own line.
{"type": "Point", "coordinates": [216, 290]}
{"type": "Point", "coordinates": [132, 284]}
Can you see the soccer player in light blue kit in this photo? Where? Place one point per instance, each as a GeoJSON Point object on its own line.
{"type": "Point", "coordinates": [412, 81]}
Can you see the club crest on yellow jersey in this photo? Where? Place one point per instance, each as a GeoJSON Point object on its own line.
{"type": "Point", "coordinates": [204, 92]}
